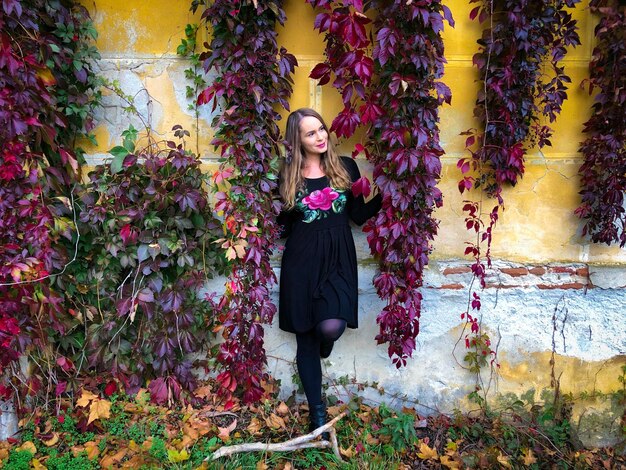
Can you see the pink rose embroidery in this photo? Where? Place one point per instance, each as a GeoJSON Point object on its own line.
{"type": "Point", "coordinates": [321, 199]}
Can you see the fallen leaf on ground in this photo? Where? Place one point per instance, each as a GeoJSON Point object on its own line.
{"type": "Point", "coordinates": [133, 446]}
{"type": "Point", "coordinates": [85, 398]}
{"type": "Point", "coordinates": [142, 397]}
{"type": "Point", "coordinates": [52, 441]}
{"type": "Point", "coordinates": [261, 465]}
{"type": "Point", "coordinates": [224, 433]}
{"type": "Point", "coordinates": [136, 461]}
{"type": "Point", "coordinates": [503, 460]}
{"type": "Point", "coordinates": [28, 446]}
{"type": "Point", "coordinates": [99, 409]}
{"type": "Point", "coordinates": [426, 453]}
{"type": "Point", "coordinates": [132, 408]}
{"type": "Point", "coordinates": [348, 453]}
{"type": "Point", "coordinates": [92, 450]}
{"type": "Point", "coordinates": [282, 409]}
{"type": "Point", "coordinates": [111, 460]}
{"type": "Point", "coordinates": [529, 457]}
{"type": "Point", "coordinates": [176, 456]}
{"type": "Point", "coordinates": [254, 427]}
{"type": "Point", "coordinates": [448, 462]}
{"type": "Point", "coordinates": [191, 431]}
{"type": "Point", "coordinates": [275, 422]}
{"type": "Point", "coordinates": [334, 411]}
{"type": "Point", "coordinates": [203, 392]}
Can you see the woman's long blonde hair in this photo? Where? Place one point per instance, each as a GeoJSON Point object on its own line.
{"type": "Point", "coordinates": [291, 179]}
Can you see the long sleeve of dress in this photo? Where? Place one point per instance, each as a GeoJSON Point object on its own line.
{"type": "Point", "coordinates": [285, 220]}
{"type": "Point", "coordinates": [359, 210]}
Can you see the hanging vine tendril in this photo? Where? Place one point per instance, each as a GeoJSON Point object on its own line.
{"type": "Point", "coordinates": [244, 43]}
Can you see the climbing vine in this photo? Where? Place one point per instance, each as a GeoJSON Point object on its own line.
{"type": "Point", "coordinates": [348, 60]}
{"type": "Point", "coordinates": [146, 251]}
{"type": "Point", "coordinates": [518, 42]}
{"type": "Point", "coordinates": [396, 94]}
{"type": "Point", "coordinates": [405, 149]}
{"type": "Point", "coordinates": [603, 172]}
{"type": "Point", "coordinates": [47, 94]}
{"type": "Point", "coordinates": [519, 39]}
{"type": "Point", "coordinates": [244, 43]}
{"type": "Point", "coordinates": [188, 48]}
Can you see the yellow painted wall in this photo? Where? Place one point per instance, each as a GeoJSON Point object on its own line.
{"type": "Point", "coordinates": [538, 224]}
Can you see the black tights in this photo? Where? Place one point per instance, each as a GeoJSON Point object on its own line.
{"type": "Point", "coordinates": [308, 356]}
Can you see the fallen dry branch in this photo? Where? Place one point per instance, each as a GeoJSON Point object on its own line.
{"type": "Point", "coordinates": [301, 442]}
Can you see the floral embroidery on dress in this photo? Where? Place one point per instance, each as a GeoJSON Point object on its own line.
{"type": "Point", "coordinates": [317, 204]}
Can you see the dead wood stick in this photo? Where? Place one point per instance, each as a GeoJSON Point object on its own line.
{"type": "Point", "coordinates": [301, 442]}
{"type": "Point", "coordinates": [214, 414]}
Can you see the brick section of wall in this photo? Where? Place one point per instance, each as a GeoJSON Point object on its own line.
{"type": "Point", "coordinates": [506, 275]}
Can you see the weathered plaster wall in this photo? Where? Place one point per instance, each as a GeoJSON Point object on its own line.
{"type": "Point", "coordinates": [550, 289]}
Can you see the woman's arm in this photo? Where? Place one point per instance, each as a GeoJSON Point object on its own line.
{"type": "Point", "coordinates": [285, 222]}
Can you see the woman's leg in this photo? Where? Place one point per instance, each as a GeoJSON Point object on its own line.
{"type": "Point", "coordinates": [309, 366]}
{"type": "Point", "coordinates": [329, 331]}
{"type": "Point", "coordinates": [308, 355]}
{"type": "Point", "coordinates": [310, 346]}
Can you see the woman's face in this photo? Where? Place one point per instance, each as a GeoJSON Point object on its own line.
{"type": "Point", "coordinates": [313, 136]}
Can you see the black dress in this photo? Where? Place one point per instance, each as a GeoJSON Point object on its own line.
{"type": "Point", "coordinates": [318, 276]}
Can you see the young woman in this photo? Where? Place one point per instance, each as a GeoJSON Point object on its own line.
{"type": "Point", "coordinates": [318, 278]}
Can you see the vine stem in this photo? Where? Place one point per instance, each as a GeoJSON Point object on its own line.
{"type": "Point", "coordinates": [479, 233]}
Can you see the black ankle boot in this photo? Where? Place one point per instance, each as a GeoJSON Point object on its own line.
{"type": "Point", "coordinates": [317, 418]}
{"type": "Point", "coordinates": [326, 347]}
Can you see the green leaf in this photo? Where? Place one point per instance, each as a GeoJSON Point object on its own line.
{"type": "Point", "coordinates": [119, 151]}
{"type": "Point", "coordinates": [198, 220]}
{"type": "Point", "coordinates": [119, 154]}
{"type": "Point", "coordinates": [117, 164]}
{"type": "Point", "coordinates": [129, 144]}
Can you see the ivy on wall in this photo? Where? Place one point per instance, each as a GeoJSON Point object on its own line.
{"type": "Point", "coordinates": [517, 42]}
{"type": "Point", "coordinates": [405, 149]}
{"type": "Point", "coordinates": [47, 94]}
{"type": "Point", "coordinates": [145, 253]}
{"type": "Point", "coordinates": [348, 61]}
{"type": "Point", "coordinates": [603, 172]}
{"type": "Point", "coordinates": [243, 44]}
{"type": "Point", "coordinates": [515, 97]}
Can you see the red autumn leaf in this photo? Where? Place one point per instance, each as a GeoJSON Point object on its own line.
{"type": "Point", "coordinates": [158, 391]}
{"type": "Point", "coordinates": [128, 234]}
{"type": "Point", "coordinates": [466, 184]}
{"type": "Point", "coordinates": [59, 390]}
{"type": "Point", "coordinates": [321, 72]}
{"type": "Point", "coordinates": [110, 388]}
{"type": "Point", "coordinates": [345, 124]}
{"type": "Point", "coordinates": [361, 186]}
{"type": "Point", "coordinates": [65, 364]}
{"type": "Point", "coordinates": [358, 148]}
